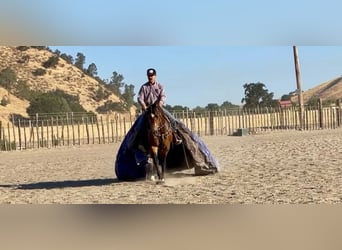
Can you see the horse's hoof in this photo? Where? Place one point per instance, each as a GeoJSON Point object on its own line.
{"type": "Point", "coordinates": [162, 181]}
{"type": "Point", "coordinates": [153, 178]}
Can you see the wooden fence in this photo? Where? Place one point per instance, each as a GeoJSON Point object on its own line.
{"type": "Point", "coordinates": [59, 131]}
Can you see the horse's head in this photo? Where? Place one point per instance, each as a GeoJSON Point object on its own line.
{"type": "Point", "coordinates": [156, 120]}
{"type": "Point", "coordinates": [154, 112]}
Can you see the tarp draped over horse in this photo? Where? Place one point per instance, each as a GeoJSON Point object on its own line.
{"type": "Point", "coordinates": [192, 153]}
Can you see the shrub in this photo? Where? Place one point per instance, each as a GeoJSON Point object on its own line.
{"type": "Point", "coordinates": [6, 145]}
{"type": "Point", "coordinates": [4, 101]}
{"type": "Point", "coordinates": [48, 103]}
{"type": "Point", "coordinates": [39, 72]}
{"type": "Point", "coordinates": [23, 91]}
{"type": "Point", "coordinates": [51, 62]}
{"type": "Point", "coordinates": [22, 48]}
{"type": "Point", "coordinates": [111, 106]}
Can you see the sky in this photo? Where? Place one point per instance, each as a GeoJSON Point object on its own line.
{"type": "Point", "coordinates": [198, 75]}
{"type": "Point", "coordinates": [204, 51]}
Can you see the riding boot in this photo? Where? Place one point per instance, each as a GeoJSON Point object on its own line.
{"type": "Point", "coordinates": [176, 139]}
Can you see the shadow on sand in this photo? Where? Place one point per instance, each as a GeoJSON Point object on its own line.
{"type": "Point", "coordinates": [81, 183]}
{"type": "Point", "coordinates": [63, 184]}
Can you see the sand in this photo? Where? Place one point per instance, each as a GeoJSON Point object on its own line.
{"type": "Point", "coordinates": [283, 167]}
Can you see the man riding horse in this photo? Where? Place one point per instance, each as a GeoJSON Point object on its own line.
{"type": "Point", "coordinates": [147, 134]}
{"type": "Point", "coordinates": [151, 92]}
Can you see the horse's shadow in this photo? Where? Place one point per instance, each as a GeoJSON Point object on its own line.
{"type": "Point", "coordinates": [64, 184]}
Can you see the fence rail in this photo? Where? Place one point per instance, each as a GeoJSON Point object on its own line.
{"type": "Point", "coordinates": [57, 131]}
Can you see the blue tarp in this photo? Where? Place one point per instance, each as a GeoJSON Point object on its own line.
{"type": "Point", "coordinates": [192, 153]}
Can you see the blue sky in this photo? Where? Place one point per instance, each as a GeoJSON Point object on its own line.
{"type": "Point", "coordinates": [198, 75]}
{"type": "Point", "coordinates": [204, 51]}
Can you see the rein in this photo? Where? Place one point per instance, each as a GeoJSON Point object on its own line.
{"type": "Point", "coordinates": [157, 132]}
{"type": "Point", "coordinates": [164, 121]}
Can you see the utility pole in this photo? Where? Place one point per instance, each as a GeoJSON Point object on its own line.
{"type": "Point", "coordinates": [299, 88]}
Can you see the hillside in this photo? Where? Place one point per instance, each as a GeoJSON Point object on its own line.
{"type": "Point", "coordinates": [64, 76]}
{"type": "Point", "coordinates": [330, 90]}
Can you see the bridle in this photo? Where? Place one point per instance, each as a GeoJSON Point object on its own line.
{"type": "Point", "coordinates": [158, 131]}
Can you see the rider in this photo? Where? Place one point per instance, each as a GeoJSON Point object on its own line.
{"type": "Point", "coordinates": [152, 91]}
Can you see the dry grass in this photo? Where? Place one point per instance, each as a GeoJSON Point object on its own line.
{"type": "Point", "coordinates": [329, 90]}
{"type": "Point", "coordinates": [64, 76]}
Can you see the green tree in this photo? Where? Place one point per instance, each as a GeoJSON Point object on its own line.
{"type": "Point", "coordinates": [199, 109]}
{"type": "Point", "coordinates": [73, 101]}
{"type": "Point", "coordinates": [4, 101]}
{"type": "Point", "coordinates": [39, 47]}
{"type": "Point", "coordinates": [92, 70]}
{"type": "Point", "coordinates": [51, 62]}
{"type": "Point", "coordinates": [111, 106]}
{"type": "Point", "coordinates": [80, 61]}
{"type": "Point", "coordinates": [22, 48]}
{"type": "Point", "coordinates": [99, 94]}
{"type": "Point", "coordinates": [48, 103]}
{"type": "Point", "coordinates": [23, 91]}
{"type": "Point", "coordinates": [8, 78]}
{"type": "Point", "coordinates": [128, 96]}
{"type": "Point", "coordinates": [228, 105]}
{"type": "Point", "coordinates": [57, 52]}
{"type": "Point", "coordinates": [212, 107]}
{"type": "Point", "coordinates": [69, 59]}
{"type": "Point", "coordinates": [257, 95]}
{"type": "Point", "coordinates": [116, 83]}
{"type": "Point", "coordinates": [168, 107]}
{"type": "Point", "coordinates": [285, 97]}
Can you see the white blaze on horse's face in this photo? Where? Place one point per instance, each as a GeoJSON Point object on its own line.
{"type": "Point", "coordinates": [154, 121]}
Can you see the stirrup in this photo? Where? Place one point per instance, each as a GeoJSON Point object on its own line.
{"type": "Point", "coordinates": [178, 141]}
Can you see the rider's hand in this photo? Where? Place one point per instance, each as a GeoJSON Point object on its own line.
{"type": "Point", "coordinates": [143, 107]}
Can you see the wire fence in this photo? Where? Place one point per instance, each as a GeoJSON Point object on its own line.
{"type": "Point", "coordinates": [70, 129]}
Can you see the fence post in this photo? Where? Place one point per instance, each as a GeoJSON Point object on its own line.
{"type": "Point", "coordinates": [19, 134]}
{"type": "Point", "coordinates": [14, 136]}
{"type": "Point", "coordinates": [87, 130]}
{"type": "Point", "coordinates": [211, 122]}
{"type": "Point", "coordinates": [116, 128]}
{"type": "Point", "coordinates": [57, 132]}
{"type": "Point", "coordinates": [92, 129]}
{"type": "Point", "coordinates": [73, 128]}
{"type": "Point", "coordinates": [9, 136]}
{"type": "Point", "coordinates": [52, 133]}
{"type": "Point", "coordinates": [103, 131]}
{"type": "Point", "coordinates": [320, 113]}
{"type": "Point", "coordinates": [107, 123]}
{"type": "Point", "coordinates": [98, 130]}
{"type": "Point", "coordinates": [338, 113]}
{"type": "Point", "coordinates": [25, 140]}
{"type": "Point", "coordinates": [37, 130]}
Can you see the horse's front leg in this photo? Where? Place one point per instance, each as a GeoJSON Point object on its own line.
{"type": "Point", "coordinates": [149, 169]}
{"type": "Point", "coordinates": [163, 168]}
{"type": "Point", "coordinates": [156, 162]}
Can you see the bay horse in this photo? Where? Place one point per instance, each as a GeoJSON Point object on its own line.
{"type": "Point", "coordinates": [159, 139]}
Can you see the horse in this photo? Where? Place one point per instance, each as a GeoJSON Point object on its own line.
{"type": "Point", "coordinates": [159, 140]}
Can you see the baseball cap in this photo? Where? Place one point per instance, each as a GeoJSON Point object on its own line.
{"type": "Point", "coordinates": [151, 72]}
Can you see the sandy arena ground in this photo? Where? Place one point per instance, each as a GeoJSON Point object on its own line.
{"type": "Point", "coordinates": [290, 167]}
